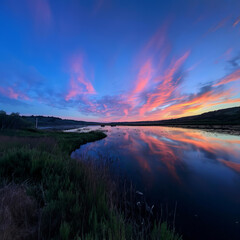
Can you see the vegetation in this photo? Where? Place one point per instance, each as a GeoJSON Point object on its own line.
{"type": "Point", "coordinates": [15, 121]}
{"type": "Point", "coordinates": [54, 121]}
{"type": "Point", "coordinates": [44, 194]}
{"type": "Point", "coordinates": [12, 121]}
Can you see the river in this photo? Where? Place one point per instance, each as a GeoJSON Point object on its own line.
{"type": "Point", "coordinates": [195, 170]}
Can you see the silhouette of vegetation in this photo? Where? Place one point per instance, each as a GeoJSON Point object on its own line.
{"type": "Point", "coordinates": [13, 121]}
{"type": "Point", "coordinates": [55, 121]}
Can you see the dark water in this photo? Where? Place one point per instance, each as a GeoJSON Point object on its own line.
{"type": "Point", "coordinates": [200, 171]}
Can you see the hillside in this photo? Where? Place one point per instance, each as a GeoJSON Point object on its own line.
{"type": "Point", "coordinates": [229, 116]}
{"type": "Point", "coordinates": [54, 121]}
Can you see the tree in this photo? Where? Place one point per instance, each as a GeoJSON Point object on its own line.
{"type": "Point", "coordinates": [3, 119]}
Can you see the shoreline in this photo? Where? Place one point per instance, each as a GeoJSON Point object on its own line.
{"type": "Point", "coordinates": [224, 129]}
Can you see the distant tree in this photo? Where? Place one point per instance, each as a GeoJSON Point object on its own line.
{"type": "Point", "coordinates": [17, 114]}
{"type": "Point", "coordinates": [13, 121]}
{"type": "Point", "coordinates": [3, 118]}
{"type": "Point", "coordinates": [2, 112]}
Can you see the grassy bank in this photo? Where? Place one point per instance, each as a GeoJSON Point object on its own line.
{"type": "Point", "coordinates": [47, 195]}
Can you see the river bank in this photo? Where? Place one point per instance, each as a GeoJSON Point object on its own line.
{"type": "Point", "coordinates": [226, 129]}
{"type": "Point", "coordinates": [47, 195]}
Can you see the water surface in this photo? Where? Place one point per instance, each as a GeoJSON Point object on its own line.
{"type": "Point", "coordinates": [198, 170]}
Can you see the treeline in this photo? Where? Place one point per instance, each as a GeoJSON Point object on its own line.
{"type": "Point", "coordinates": [13, 121]}
{"type": "Point", "coordinates": [54, 121]}
{"type": "Point", "coordinates": [16, 121]}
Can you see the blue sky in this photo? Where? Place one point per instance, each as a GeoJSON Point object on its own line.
{"type": "Point", "coordinates": [119, 60]}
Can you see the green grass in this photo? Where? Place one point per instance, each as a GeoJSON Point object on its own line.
{"type": "Point", "coordinates": [56, 140]}
{"type": "Point", "coordinates": [73, 197]}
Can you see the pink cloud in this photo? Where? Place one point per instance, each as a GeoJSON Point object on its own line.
{"type": "Point", "coordinates": [143, 78]}
{"type": "Point", "coordinates": [156, 93]}
{"type": "Point", "coordinates": [79, 83]}
{"type": "Point", "coordinates": [234, 76]}
{"type": "Point", "coordinates": [165, 88]}
{"type": "Point", "coordinates": [13, 94]}
{"type": "Point", "coordinates": [236, 22]}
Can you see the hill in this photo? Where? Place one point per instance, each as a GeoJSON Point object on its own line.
{"type": "Point", "coordinates": [54, 121]}
{"type": "Point", "coordinates": [229, 116]}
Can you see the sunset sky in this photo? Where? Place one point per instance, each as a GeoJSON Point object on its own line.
{"type": "Point", "coordinates": [105, 60]}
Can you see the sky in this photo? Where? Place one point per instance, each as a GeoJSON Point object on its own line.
{"type": "Point", "coordinates": [105, 60]}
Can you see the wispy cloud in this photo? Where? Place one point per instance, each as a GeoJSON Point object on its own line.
{"type": "Point", "coordinates": [236, 22]}
{"type": "Point", "coordinates": [165, 88]}
{"type": "Point", "coordinates": [157, 92]}
{"type": "Point", "coordinates": [79, 83]}
{"type": "Point", "coordinates": [24, 83]}
{"type": "Point", "coordinates": [234, 76]}
{"type": "Point", "coordinates": [11, 93]}
{"type": "Point", "coordinates": [219, 25]}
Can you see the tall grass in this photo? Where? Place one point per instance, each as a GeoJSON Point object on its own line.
{"type": "Point", "coordinates": [75, 199]}
{"type": "Point", "coordinates": [18, 213]}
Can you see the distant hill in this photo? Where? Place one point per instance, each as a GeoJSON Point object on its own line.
{"type": "Point", "coordinates": [229, 116]}
{"type": "Point", "coordinates": [54, 121]}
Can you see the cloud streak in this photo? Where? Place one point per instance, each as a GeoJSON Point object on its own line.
{"type": "Point", "coordinates": [11, 93]}
{"type": "Point", "coordinates": [234, 76]}
{"type": "Point", "coordinates": [236, 22]}
{"type": "Point", "coordinates": [157, 92]}
{"type": "Point", "coordinates": [79, 83]}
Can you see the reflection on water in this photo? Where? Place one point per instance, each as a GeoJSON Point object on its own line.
{"type": "Point", "coordinates": [198, 170]}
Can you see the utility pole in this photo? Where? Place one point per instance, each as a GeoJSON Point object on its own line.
{"type": "Point", "coordinates": [36, 122]}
